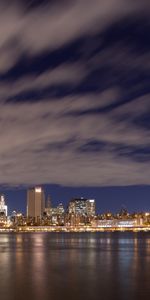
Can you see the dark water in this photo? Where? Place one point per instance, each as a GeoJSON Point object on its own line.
{"type": "Point", "coordinates": [75, 266]}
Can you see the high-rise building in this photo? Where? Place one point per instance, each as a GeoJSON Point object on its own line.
{"type": "Point", "coordinates": [3, 207]}
{"type": "Point", "coordinates": [35, 203]}
{"type": "Point", "coordinates": [90, 206]}
{"type": "Point", "coordinates": [77, 206]}
{"type": "Point", "coordinates": [82, 206]}
{"type": "Point", "coordinates": [48, 208]}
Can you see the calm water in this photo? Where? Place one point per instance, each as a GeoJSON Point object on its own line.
{"type": "Point", "coordinates": [75, 266]}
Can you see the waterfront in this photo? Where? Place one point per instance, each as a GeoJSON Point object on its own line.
{"type": "Point", "coordinates": [75, 265]}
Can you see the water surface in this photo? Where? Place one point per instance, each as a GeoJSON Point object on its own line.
{"type": "Point", "coordinates": [75, 266]}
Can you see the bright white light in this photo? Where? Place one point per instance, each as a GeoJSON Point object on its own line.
{"type": "Point", "coordinates": [38, 190]}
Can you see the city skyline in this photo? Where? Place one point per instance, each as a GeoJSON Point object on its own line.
{"type": "Point", "coordinates": [80, 215]}
{"type": "Point", "coordinates": [110, 199]}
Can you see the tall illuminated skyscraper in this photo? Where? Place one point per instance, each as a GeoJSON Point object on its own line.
{"type": "Point", "coordinates": [3, 207]}
{"type": "Point", "coordinates": [90, 206]}
{"type": "Point", "coordinates": [35, 203]}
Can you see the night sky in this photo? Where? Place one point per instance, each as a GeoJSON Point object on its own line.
{"type": "Point", "coordinates": [75, 101]}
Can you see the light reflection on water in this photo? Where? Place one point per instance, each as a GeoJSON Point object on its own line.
{"type": "Point", "coordinates": [75, 266]}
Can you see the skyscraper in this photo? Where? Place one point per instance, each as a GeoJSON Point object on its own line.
{"type": "Point", "coordinates": [77, 206]}
{"type": "Point", "coordinates": [82, 206]}
{"type": "Point", "coordinates": [3, 207]}
{"type": "Point", "coordinates": [35, 203]}
{"type": "Point", "coordinates": [90, 207]}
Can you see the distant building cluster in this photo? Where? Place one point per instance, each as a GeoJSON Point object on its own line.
{"type": "Point", "coordinates": [39, 211]}
{"type": "Point", "coordinates": [80, 213]}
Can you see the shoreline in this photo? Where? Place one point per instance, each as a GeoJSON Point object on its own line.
{"type": "Point", "coordinates": [57, 229]}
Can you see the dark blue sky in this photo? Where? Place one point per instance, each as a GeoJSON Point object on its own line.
{"type": "Point", "coordinates": [74, 100]}
{"type": "Point", "coordinates": [134, 198]}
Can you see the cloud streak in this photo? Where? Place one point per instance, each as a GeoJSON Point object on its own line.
{"type": "Point", "coordinates": [40, 144]}
{"type": "Point", "coordinates": [74, 93]}
{"type": "Point", "coordinates": [51, 26]}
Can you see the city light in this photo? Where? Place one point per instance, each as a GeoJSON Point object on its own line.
{"type": "Point", "coordinates": [79, 216]}
{"type": "Point", "coordinates": [38, 190]}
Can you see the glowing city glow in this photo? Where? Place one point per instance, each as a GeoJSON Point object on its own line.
{"type": "Point", "coordinates": [38, 190]}
{"type": "Point", "coordinates": [79, 216]}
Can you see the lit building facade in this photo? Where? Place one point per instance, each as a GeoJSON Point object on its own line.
{"type": "Point", "coordinates": [82, 206]}
{"type": "Point", "coordinates": [77, 206]}
{"type": "Point", "coordinates": [35, 203]}
{"type": "Point", "coordinates": [55, 215]}
{"type": "Point", "coordinates": [80, 211]}
{"type": "Point", "coordinates": [3, 207]}
{"type": "Point", "coordinates": [90, 207]}
{"type": "Point", "coordinates": [117, 223]}
{"type": "Point", "coordinates": [60, 209]}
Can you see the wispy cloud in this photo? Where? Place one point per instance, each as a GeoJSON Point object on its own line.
{"type": "Point", "coordinates": [53, 24]}
{"type": "Point", "coordinates": [74, 93]}
{"type": "Point", "coordinates": [39, 143]}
